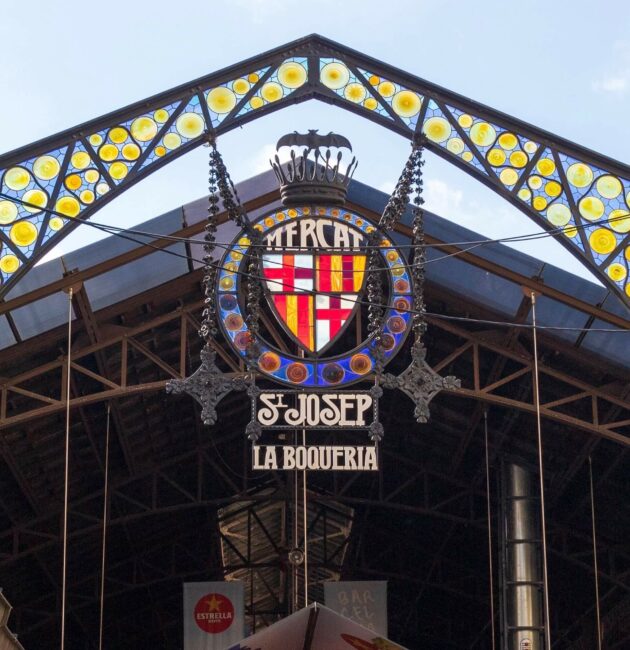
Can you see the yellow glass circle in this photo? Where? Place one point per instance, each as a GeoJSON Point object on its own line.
{"type": "Point", "coordinates": [553, 189]}
{"type": "Point", "coordinates": [609, 186]}
{"type": "Point", "coordinates": [253, 77]}
{"type": "Point", "coordinates": [465, 121]}
{"type": "Point", "coordinates": [256, 102]}
{"type": "Point", "coordinates": [292, 212]}
{"type": "Point", "coordinates": [91, 175]}
{"type": "Point", "coordinates": [118, 135]}
{"type": "Point", "coordinates": [144, 129]}
{"type": "Point", "coordinates": [355, 92]}
{"type": "Point", "coordinates": [118, 170]}
{"type": "Point", "coordinates": [580, 175]}
{"type": "Point", "coordinates": [17, 178]}
{"type": "Point", "coordinates": [172, 140]}
{"type": "Point", "coordinates": [334, 75]}
{"type": "Point", "coordinates": [221, 100]}
{"type": "Point", "coordinates": [292, 74]}
{"type": "Point", "coordinates": [102, 188]}
{"type": "Point", "coordinates": [407, 104]}
{"type": "Point", "coordinates": [161, 115]}
{"type": "Point", "coordinates": [559, 214]}
{"type": "Point", "coordinates": [508, 176]}
{"type": "Point", "coordinates": [226, 282]}
{"type": "Point", "coordinates": [23, 233]}
{"type": "Point", "coordinates": [628, 289]}
{"type": "Point", "coordinates": [619, 221]}
{"type": "Point", "coordinates": [508, 141]}
{"type": "Point", "coordinates": [496, 157]}
{"type": "Point", "coordinates": [546, 166]}
{"type": "Point", "coordinates": [455, 145]}
{"type": "Point", "coordinates": [269, 221]}
{"type": "Point", "coordinates": [467, 156]}
{"type": "Point", "coordinates": [80, 160]}
{"type": "Point", "coordinates": [68, 206]}
{"type": "Point", "coordinates": [73, 182]}
{"type": "Point", "coordinates": [518, 159]}
{"type": "Point", "coordinates": [370, 103]}
{"type": "Point", "coordinates": [539, 203]}
{"type": "Point", "coordinates": [602, 241]}
{"type": "Point", "coordinates": [35, 198]}
{"type": "Point", "coordinates": [591, 208]}
{"type": "Point", "coordinates": [386, 88]}
{"type": "Point", "coordinates": [108, 152]}
{"type": "Point", "coordinates": [189, 125]}
{"type": "Point", "coordinates": [55, 223]}
{"type": "Point", "coordinates": [272, 91]}
{"type": "Point", "coordinates": [437, 129]}
{"type": "Point", "coordinates": [530, 146]}
{"type": "Point", "coordinates": [9, 264]}
{"type": "Point", "coordinates": [374, 80]}
{"type": "Point", "coordinates": [87, 196]}
{"type": "Point", "coordinates": [525, 194]}
{"type": "Point", "coordinates": [617, 272]}
{"type": "Point", "coordinates": [244, 242]}
{"type": "Point", "coordinates": [96, 139]}
{"type": "Point", "coordinates": [535, 182]}
{"type": "Point", "coordinates": [46, 167]}
{"type": "Point", "coordinates": [131, 151]}
{"type": "Point", "coordinates": [240, 86]}
{"type": "Point", "coordinates": [8, 212]}
{"type": "Point", "coordinates": [627, 253]}
{"type": "Point", "coordinates": [160, 150]}
{"type": "Point", "coordinates": [570, 231]}
{"type": "Point", "coordinates": [482, 134]}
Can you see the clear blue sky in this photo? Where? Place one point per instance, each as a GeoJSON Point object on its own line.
{"type": "Point", "coordinates": [563, 66]}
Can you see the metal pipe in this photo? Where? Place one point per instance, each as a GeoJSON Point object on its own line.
{"type": "Point", "coordinates": [522, 602]}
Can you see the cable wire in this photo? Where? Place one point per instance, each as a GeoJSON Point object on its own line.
{"type": "Point", "coordinates": [541, 476]}
{"type": "Point", "coordinates": [480, 321]}
{"type": "Point", "coordinates": [490, 559]}
{"type": "Point", "coordinates": [105, 520]}
{"type": "Point", "coordinates": [64, 562]}
{"type": "Point", "coordinates": [595, 562]}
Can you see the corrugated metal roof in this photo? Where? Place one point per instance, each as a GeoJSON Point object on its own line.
{"type": "Point", "coordinates": [452, 273]}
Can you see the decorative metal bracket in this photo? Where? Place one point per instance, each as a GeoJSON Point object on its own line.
{"type": "Point", "coordinates": [420, 382]}
{"type": "Point", "coordinates": [208, 385]}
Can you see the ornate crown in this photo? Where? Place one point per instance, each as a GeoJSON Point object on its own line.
{"type": "Point", "coordinates": [313, 173]}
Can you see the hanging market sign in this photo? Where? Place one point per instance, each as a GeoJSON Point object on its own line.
{"type": "Point", "coordinates": [345, 299]}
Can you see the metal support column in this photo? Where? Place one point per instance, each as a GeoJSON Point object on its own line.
{"type": "Point", "coordinates": [522, 625]}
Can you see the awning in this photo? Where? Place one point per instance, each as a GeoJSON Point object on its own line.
{"type": "Point", "coordinates": [316, 628]}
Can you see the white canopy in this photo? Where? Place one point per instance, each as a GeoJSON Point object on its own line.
{"type": "Point", "coordinates": [316, 628]}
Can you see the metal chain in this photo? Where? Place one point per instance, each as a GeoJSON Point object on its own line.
{"type": "Point", "coordinates": [228, 193]}
{"type": "Point", "coordinates": [208, 327]}
{"type": "Point", "coordinates": [399, 198]}
{"type": "Point", "coordinates": [419, 250]}
{"type": "Point", "coordinates": [396, 205]}
{"type": "Point", "coordinates": [220, 185]}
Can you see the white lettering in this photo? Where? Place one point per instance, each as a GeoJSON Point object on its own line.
{"type": "Point", "coordinates": [349, 458]}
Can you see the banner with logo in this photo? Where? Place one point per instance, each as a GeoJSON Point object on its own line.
{"type": "Point", "coordinates": [214, 615]}
{"type": "Point", "coordinates": [363, 602]}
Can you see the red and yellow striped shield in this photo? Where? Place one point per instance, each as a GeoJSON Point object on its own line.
{"type": "Point", "coordinates": [314, 295]}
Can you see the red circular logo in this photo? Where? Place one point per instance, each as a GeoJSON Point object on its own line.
{"type": "Point", "coordinates": [214, 613]}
